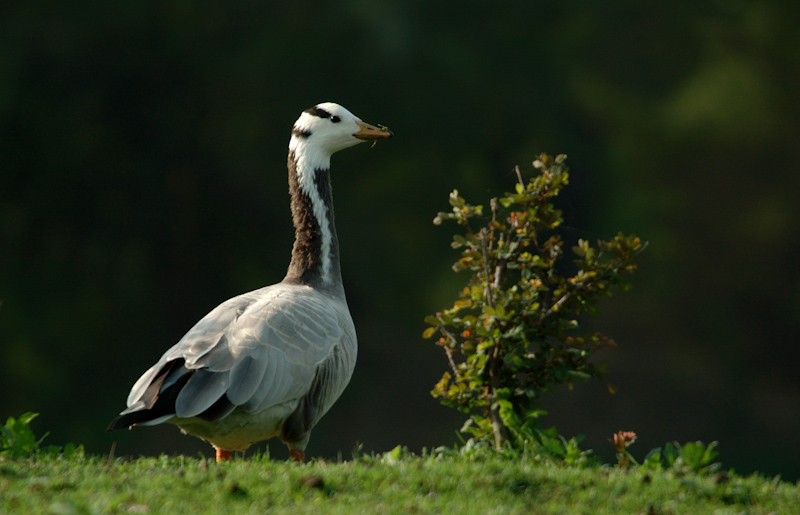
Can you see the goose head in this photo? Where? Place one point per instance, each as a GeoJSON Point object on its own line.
{"type": "Point", "coordinates": [330, 128]}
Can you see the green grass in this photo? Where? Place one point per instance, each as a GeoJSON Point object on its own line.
{"type": "Point", "coordinates": [389, 483]}
{"type": "Point", "coordinates": [550, 475]}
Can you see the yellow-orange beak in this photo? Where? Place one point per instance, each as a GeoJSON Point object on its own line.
{"type": "Point", "coordinates": [370, 132]}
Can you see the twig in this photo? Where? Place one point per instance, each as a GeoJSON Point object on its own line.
{"type": "Point", "coordinates": [449, 353]}
{"type": "Point", "coordinates": [448, 350]}
{"type": "Point", "coordinates": [488, 292]}
{"type": "Point", "coordinates": [498, 274]}
{"type": "Point", "coordinates": [519, 175]}
{"type": "Point", "coordinates": [555, 307]}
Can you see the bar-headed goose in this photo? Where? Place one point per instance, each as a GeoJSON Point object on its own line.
{"type": "Point", "coordinates": [270, 362]}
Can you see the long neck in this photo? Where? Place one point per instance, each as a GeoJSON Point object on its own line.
{"type": "Point", "coordinates": [315, 255]}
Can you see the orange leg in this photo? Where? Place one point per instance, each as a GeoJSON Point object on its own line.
{"type": "Point", "coordinates": [298, 456]}
{"type": "Point", "coordinates": [223, 455]}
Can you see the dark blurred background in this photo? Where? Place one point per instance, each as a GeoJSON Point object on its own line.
{"type": "Point", "coordinates": [143, 181]}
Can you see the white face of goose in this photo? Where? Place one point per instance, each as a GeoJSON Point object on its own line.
{"type": "Point", "coordinates": [319, 132]}
{"type": "Point", "coordinates": [330, 128]}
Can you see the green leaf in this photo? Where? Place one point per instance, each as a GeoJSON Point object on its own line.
{"type": "Point", "coordinates": [462, 303]}
{"type": "Point", "coordinates": [432, 320]}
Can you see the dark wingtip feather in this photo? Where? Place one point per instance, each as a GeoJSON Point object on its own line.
{"type": "Point", "coordinates": [129, 420]}
{"type": "Point", "coordinates": [155, 403]}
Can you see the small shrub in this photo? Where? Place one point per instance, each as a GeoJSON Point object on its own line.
{"type": "Point", "coordinates": [512, 333]}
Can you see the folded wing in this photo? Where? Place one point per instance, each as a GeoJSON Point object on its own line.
{"type": "Point", "coordinates": [255, 351]}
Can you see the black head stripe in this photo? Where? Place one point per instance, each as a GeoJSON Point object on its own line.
{"type": "Point", "coordinates": [301, 133]}
{"type": "Point", "coordinates": [316, 111]}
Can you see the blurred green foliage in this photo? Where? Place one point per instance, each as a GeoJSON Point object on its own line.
{"type": "Point", "coordinates": [17, 441]}
{"type": "Point", "coordinates": [16, 438]}
{"type": "Point", "coordinates": [691, 457]}
{"type": "Point", "coordinates": [142, 182]}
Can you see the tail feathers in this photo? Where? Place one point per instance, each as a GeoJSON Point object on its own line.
{"type": "Point", "coordinates": [154, 403]}
{"type": "Point", "coordinates": [157, 405]}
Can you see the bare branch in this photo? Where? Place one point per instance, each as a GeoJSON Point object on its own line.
{"type": "Point", "coordinates": [449, 352]}
{"type": "Point", "coordinates": [555, 307]}
{"type": "Point", "coordinates": [519, 176]}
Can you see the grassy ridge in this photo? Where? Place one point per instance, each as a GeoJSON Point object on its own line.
{"type": "Point", "coordinates": [388, 483]}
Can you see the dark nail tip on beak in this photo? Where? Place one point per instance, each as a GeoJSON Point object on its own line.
{"type": "Point", "coordinates": [386, 132]}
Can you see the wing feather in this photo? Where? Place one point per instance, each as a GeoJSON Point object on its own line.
{"type": "Point", "coordinates": [274, 385]}
{"type": "Point", "coordinates": [140, 386]}
{"type": "Point", "coordinates": [217, 358]}
{"type": "Point", "coordinates": [201, 392]}
{"type": "Point", "coordinates": [246, 375]}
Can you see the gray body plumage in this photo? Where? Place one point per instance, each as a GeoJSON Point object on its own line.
{"type": "Point", "coordinates": [270, 362]}
{"type": "Point", "coordinates": [263, 352]}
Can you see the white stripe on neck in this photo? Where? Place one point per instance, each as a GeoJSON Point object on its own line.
{"type": "Point", "coordinates": [308, 159]}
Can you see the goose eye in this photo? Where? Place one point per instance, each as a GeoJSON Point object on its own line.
{"type": "Point", "coordinates": [335, 119]}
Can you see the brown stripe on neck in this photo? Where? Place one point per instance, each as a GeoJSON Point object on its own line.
{"type": "Point", "coordinates": [306, 266]}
